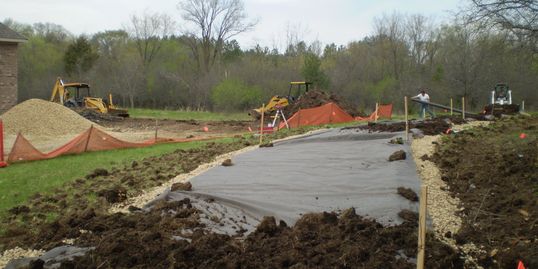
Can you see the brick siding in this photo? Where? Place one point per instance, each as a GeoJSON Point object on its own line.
{"type": "Point", "coordinates": [8, 76]}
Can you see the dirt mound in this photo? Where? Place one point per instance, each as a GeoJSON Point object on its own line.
{"type": "Point", "coordinates": [315, 98]}
{"type": "Point", "coordinates": [493, 172]}
{"type": "Point", "coordinates": [95, 116]}
{"type": "Point", "coordinates": [38, 117]}
{"type": "Point", "coordinates": [428, 127]}
{"type": "Point", "coordinates": [397, 155]}
{"type": "Point", "coordinates": [499, 110]}
{"type": "Point", "coordinates": [318, 240]}
{"type": "Point", "coordinates": [408, 194]}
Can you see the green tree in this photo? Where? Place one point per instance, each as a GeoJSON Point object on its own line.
{"type": "Point", "coordinates": [312, 72]}
{"type": "Point", "coordinates": [79, 57]}
{"type": "Point", "coordinates": [233, 94]}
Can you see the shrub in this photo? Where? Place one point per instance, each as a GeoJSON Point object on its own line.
{"type": "Point", "coordinates": [233, 95]}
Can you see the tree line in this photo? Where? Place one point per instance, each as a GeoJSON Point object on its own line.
{"type": "Point", "coordinates": [152, 64]}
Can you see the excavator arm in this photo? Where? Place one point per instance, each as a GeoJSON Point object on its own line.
{"type": "Point", "coordinates": [58, 92]}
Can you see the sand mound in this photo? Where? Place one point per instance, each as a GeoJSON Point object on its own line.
{"type": "Point", "coordinates": [36, 117]}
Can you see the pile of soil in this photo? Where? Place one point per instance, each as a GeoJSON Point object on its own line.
{"type": "Point", "coordinates": [315, 98]}
{"type": "Point", "coordinates": [499, 110]}
{"type": "Point", "coordinates": [38, 117]}
{"type": "Point", "coordinates": [494, 173]}
{"type": "Point", "coordinates": [428, 127]}
{"type": "Point", "coordinates": [97, 117]}
{"type": "Point", "coordinates": [318, 240]}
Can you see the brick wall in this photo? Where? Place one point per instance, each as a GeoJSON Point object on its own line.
{"type": "Point", "coordinates": [8, 76]}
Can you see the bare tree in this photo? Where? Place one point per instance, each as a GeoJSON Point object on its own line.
{"type": "Point", "coordinates": [148, 32]}
{"type": "Point", "coordinates": [215, 22]}
{"type": "Point", "coordinates": [518, 16]}
{"type": "Point", "coordinates": [391, 29]}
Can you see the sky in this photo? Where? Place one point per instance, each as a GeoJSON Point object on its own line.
{"type": "Point", "coordinates": [327, 21]}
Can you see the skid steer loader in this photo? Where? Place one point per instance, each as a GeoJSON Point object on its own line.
{"type": "Point", "coordinates": [501, 101]}
{"type": "Point", "coordinates": [77, 95]}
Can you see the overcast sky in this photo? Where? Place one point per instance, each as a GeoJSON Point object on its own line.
{"type": "Point", "coordinates": [338, 21]}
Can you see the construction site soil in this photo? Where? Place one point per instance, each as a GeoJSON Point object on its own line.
{"type": "Point", "coordinates": [177, 127]}
{"type": "Point", "coordinates": [491, 170]}
{"type": "Point", "coordinates": [434, 126]}
{"type": "Point", "coordinates": [494, 172]}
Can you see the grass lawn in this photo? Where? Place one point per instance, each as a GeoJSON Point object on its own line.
{"type": "Point", "coordinates": [186, 115]}
{"type": "Point", "coordinates": [21, 180]}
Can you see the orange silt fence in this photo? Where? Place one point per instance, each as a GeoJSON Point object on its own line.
{"type": "Point", "coordinates": [325, 114]}
{"type": "Point", "coordinates": [92, 139]}
{"type": "Point", "coordinates": [383, 112]}
{"type": "Point", "coordinates": [2, 161]}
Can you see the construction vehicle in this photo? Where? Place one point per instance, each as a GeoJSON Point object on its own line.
{"type": "Point", "coordinates": [77, 95]}
{"type": "Point", "coordinates": [501, 101]}
{"type": "Point", "coordinates": [278, 102]}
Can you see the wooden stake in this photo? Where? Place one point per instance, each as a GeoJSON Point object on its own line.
{"type": "Point", "coordinates": [261, 123]}
{"type": "Point", "coordinates": [156, 128]}
{"type": "Point", "coordinates": [406, 120]}
{"type": "Point", "coordinates": [451, 107]}
{"type": "Point", "coordinates": [422, 226]}
{"type": "Point", "coordinates": [88, 138]}
{"type": "Point", "coordinates": [376, 108]}
{"type": "Point", "coordinates": [1, 144]}
{"type": "Point", "coordinates": [463, 107]}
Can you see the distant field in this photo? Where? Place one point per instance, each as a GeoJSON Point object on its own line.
{"type": "Point", "coordinates": [186, 115]}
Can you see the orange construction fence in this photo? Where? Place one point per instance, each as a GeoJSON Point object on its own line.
{"type": "Point", "coordinates": [2, 162]}
{"type": "Point", "coordinates": [91, 140]}
{"type": "Point", "coordinates": [325, 114]}
{"type": "Point", "coordinates": [383, 112]}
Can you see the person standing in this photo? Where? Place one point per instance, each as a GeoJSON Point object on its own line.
{"type": "Point", "coordinates": [424, 97]}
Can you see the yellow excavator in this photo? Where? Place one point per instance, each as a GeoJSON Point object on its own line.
{"type": "Point", "coordinates": [279, 102]}
{"type": "Point", "coordinates": [77, 95]}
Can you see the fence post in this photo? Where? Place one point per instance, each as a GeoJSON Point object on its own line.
{"type": "Point", "coordinates": [156, 130]}
{"type": "Point", "coordinates": [523, 106]}
{"type": "Point", "coordinates": [422, 226]}
{"type": "Point", "coordinates": [406, 120]}
{"type": "Point", "coordinates": [451, 107]}
{"type": "Point", "coordinates": [88, 139]}
{"type": "Point", "coordinates": [376, 109]}
{"type": "Point", "coordinates": [2, 161]}
{"type": "Point", "coordinates": [463, 107]}
{"type": "Point", "coordinates": [261, 123]}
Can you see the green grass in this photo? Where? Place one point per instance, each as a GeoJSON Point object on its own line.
{"type": "Point", "coordinates": [20, 181]}
{"type": "Point", "coordinates": [186, 115]}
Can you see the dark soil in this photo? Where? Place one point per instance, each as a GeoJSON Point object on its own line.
{"type": "Point", "coordinates": [494, 173]}
{"type": "Point", "coordinates": [321, 240]}
{"type": "Point", "coordinates": [428, 127]}
{"type": "Point", "coordinates": [408, 215]}
{"type": "Point", "coordinates": [187, 186]}
{"type": "Point", "coordinates": [408, 194]}
{"type": "Point", "coordinates": [97, 117]}
{"type": "Point", "coordinates": [227, 162]}
{"type": "Point", "coordinates": [499, 110]}
{"type": "Point", "coordinates": [396, 156]}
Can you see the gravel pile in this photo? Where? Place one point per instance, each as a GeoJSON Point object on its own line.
{"type": "Point", "coordinates": [36, 117]}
